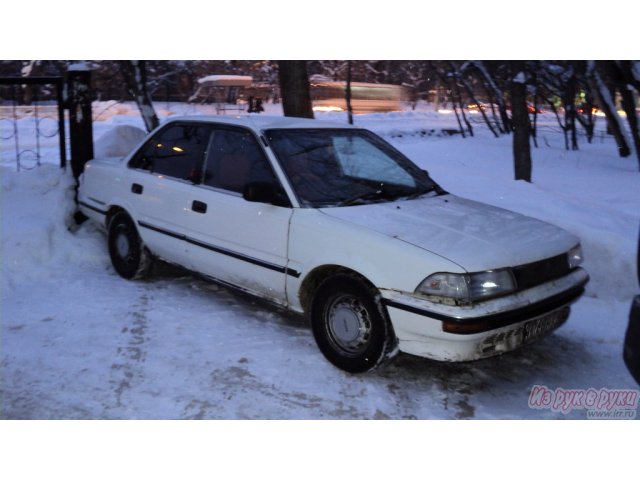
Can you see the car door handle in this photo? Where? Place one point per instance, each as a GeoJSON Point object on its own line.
{"type": "Point", "coordinates": [137, 188]}
{"type": "Point", "coordinates": [199, 207]}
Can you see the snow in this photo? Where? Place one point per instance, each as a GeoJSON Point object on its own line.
{"type": "Point", "coordinates": [118, 141]}
{"type": "Point", "coordinates": [80, 342]}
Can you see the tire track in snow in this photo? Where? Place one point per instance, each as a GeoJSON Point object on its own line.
{"type": "Point", "coordinates": [127, 369]}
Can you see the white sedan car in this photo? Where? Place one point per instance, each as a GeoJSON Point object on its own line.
{"type": "Point", "coordinates": [332, 222]}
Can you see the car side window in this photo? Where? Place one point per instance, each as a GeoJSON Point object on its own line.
{"type": "Point", "coordinates": [235, 159]}
{"type": "Point", "coordinates": [176, 152]}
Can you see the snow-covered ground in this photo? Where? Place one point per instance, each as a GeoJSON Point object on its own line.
{"type": "Point", "coordinates": [80, 342]}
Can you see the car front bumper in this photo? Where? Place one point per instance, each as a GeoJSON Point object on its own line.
{"type": "Point", "coordinates": [462, 333]}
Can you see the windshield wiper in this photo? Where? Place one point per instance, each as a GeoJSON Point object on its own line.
{"type": "Point", "coordinates": [363, 197]}
{"type": "Point", "coordinates": [419, 193]}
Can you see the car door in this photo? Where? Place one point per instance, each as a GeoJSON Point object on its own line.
{"type": "Point", "coordinates": [231, 239]}
{"type": "Point", "coordinates": [162, 176]}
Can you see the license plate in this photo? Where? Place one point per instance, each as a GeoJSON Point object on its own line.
{"type": "Point", "coordinates": [538, 327]}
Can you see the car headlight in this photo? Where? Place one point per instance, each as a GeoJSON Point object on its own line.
{"type": "Point", "coordinates": [575, 256]}
{"type": "Point", "coordinates": [455, 288]}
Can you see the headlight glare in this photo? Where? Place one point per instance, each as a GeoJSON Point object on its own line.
{"type": "Point", "coordinates": [575, 256]}
{"type": "Point", "coordinates": [490, 284]}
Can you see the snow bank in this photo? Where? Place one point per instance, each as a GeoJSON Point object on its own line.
{"type": "Point", "coordinates": [118, 141]}
{"type": "Point", "coordinates": [36, 241]}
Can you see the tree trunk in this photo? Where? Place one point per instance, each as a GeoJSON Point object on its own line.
{"type": "Point", "coordinates": [348, 94]}
{"type": "Point", "coordinates": [135, 77]}
{"type": "Point", "coordinates": [493, 113]}
{"type": "Point", "coordinates": [456, 96]}
{"type": "Point", "coordinates": [455, 110]}
{"type": "Point", "coordinates": [585, 118]}
{"type": "Point", "coordinates": [562, 125]}
{"type": "Point", "coordinates": [493, 90]}
{"type": "Point", "coordinates": [456, 89]}
{"type": "Point", "coordinates": [469, 90]}
{"type": "Point", "coordinates": [605, 99]}
{"type": "Point", "coordinates": [629, 105]}
{"type": "Point", "coordinates": [629, 83]}
{"type": "Point", "coordinates": [294, 88]}
{"type": "Point", "coordinates": [570, 110]}
{"type": "Point", "coordinates": [521, 125]}
{"type": "Point", "coordinates": [534, 126]}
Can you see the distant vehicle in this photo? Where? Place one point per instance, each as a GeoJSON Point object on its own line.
{"type": "Point", "coordinates": [533, 109]}
{"type": "Point", "coordinates": [225, 91]}
{"type": "Point", "coordinates": [365, 97]}
{"type": "Point", "coordinates": [474, 107]}
{"type": "Point", "coordinates": [582, 109]}
{"type": "Point", "coordinates": [332, 222]}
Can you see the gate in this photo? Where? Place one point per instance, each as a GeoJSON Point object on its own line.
{"type": "Point", "coordinates": [31, 117]}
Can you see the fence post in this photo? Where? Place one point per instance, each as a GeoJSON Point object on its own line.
{"type": "Point", "coordinates": [80, 120]}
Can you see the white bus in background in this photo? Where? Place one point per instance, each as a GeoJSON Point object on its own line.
{"type": "Point", "coordinates": [225, 91]}
{"type": "Point", "coordinates": [231, 92]}
{"type": "Point", "coordinates": [328, 96]}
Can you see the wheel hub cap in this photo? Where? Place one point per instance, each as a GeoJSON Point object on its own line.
{"type": "Point", "coordinates": [122, 245]}
{"type": "Point", "coordinates": [349, 324]}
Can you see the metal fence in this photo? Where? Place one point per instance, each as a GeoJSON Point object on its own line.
{"type": "Point", "coordinates": [31, 117]}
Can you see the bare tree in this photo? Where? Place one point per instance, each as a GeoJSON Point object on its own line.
{"type": "Point", "coordinates": [414, 76]}
{"type": "Point", "coordinates": [135, 77]}
{"type": "Point", "coordinates": [493, 90]}
{"type": "Point", "coordinates": [521, 125]}
{"type": "Point", "coordinates": [333, 68]}
{"type": "Point", "coordinates": [629, 88]}
{"type": "Point", "coordinates": [460, 79]}
{"type": "Point", "coordinates": [559, 83]}
{"type": "Point", "coordinates": [607, 104]}
{"type": "Point", "coordinates": [447, 77]}
{"type": "Point", "coordinates": [348, 94]}
{"type": "Point", "coordinates": [294, 88]}
{"type": "Point", "coordinates": [584, 115]}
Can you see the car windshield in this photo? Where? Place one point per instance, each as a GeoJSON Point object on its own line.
{"type": "Point", "coordinates": [341, 167]}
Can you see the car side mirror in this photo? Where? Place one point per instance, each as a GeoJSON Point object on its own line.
{"type": "Point", "coordinates": [264, 192]}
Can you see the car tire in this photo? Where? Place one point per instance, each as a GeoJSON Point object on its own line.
{"type": "Point", "coordinates": [350, 325]}
{"type": "Point", "coordinates": [129, 257]}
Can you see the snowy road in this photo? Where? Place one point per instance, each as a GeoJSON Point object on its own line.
{"type": "Point", "coordinates": [179, 347]}
{"type": "Point", "coordinates": [79, 342]}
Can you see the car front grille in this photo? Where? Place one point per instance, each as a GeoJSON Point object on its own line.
{"type": "Point", "coordinates": [542, 271]}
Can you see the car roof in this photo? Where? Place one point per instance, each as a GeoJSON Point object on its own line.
{"type": "Point", "coordinates": [260, 122]}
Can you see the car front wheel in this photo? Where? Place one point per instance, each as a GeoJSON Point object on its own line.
{"type": "Point", "coordinates": [350, 325]}
{"type": "Point", "coordinates": [129, 256]}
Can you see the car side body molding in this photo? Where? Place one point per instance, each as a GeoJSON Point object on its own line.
{"type": "Point", "coordinates": [223, 251]}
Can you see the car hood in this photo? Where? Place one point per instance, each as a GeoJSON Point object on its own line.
{"type": "Point", "coordinates": [474, 235]}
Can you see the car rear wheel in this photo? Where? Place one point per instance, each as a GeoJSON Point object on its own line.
{"type": "Point", "coordinates": [129, 256]}
{"type": "Point", "coordinates": [350, 325]}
